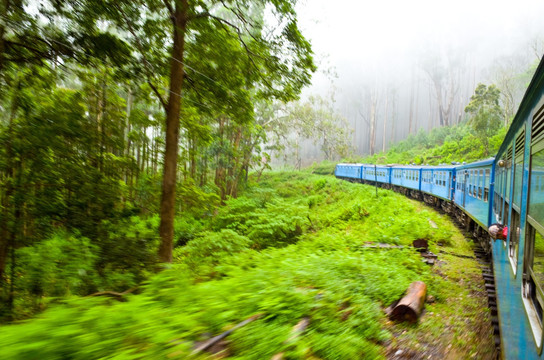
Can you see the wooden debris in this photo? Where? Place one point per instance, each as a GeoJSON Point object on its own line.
{"type": "Point", "coordinates": [421, 244]}
{"type": "Point", "coordinates": [429, 257]}
{"type": "Point", "coordinates": [457, 255]}
{"type": "Point", "coordinates": [409, 308]}
{"type": "Point", "coordinates": [297, 330]}
{"type": "Point", "coordinates": [209, 343]}
{"type": "Point", "coordinates": [372, 245]}
{"type": "Point", "coordinates": [117, 295]}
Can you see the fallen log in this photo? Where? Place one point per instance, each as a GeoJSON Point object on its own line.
{"type": "Point", "coordinates": [298, 329]}
{"type": "Point", "coordinates": [118, 295]}
{"type": "Point", "coordinates": [207, 344]}
{"type": "Point", "coordinates": [409, 308]}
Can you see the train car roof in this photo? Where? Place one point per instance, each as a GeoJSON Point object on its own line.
{"type": "Point", "coordinates": [417, 167]}
{"type": "Point", "coordinates": [479, 163]}
{"type": "Point", "coordinates": [349, 164]}
{"type": "Point", "coordinates": [440, 167]}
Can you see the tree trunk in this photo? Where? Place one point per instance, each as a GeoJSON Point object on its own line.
{"type": "Point", "coordinates": [373, 102]}
{"type": "Point", "coordinates": [234, 169]}
{"type": "Point", "coordinates": [393, 119]}
{"type": "Point", "coordinates": [385, 121]}
{"type": "Point", "coordinates": [416, 104]}
{"type": "Point", "coordinates": [173, 109]}
{"type": "Point", "coordinates": [4, 7]}
{"type": "Point", "coordinates": [220, 176]}
{"type": "Point", "coordinates": [5, 233]}
{"type": "Point", "coordinates": [411, 120]}
{"type": "Point", "coordinates": [411, 305]}
{"type": "Point", "coordinates": [431, 116]}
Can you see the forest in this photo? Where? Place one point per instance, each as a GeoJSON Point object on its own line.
{"type": "Point", "coordinates": [141, 210]}
{"type": "Point", "coordinates": [107, 108]}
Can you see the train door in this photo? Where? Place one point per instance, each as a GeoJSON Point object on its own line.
{"type": "Point", "coordinates": [465, 182]}
{"type": "Point", "coordinates": [448, 184]}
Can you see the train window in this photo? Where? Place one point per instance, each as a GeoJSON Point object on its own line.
{"type": "Point", "coordinates": [480, 184]}
{"type": "Point", "coordinates": [536, 201]}
{"type": "Point", "coordinates": [469, 182]}
{"type": "Point", "coordinates": [518, 167]}
{"type": "Point", "coordinates": [474, 182]}
{"type": "Point", "coordinates": [513, 244]}
{"type": "Point", "coordinates": [487, 175]}
{"type": "Point", "coordinates": [508, 173]}
{"type": "Point", "coordinates": [533, 280]}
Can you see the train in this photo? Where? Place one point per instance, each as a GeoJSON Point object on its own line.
{"type": "Point", "coordinates": [506, 189]}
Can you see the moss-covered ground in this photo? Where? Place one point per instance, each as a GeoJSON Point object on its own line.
{"type": "Point", "coordinates": [295, 246]}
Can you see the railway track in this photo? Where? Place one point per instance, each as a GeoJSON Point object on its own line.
{"type": "Point", "coordinates": [489, 281]}
{"type": "Point", "coordinates": [482, 253]}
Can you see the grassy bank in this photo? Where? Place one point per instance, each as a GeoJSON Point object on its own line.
{"type": "Point", "coordinates": [294, 246]}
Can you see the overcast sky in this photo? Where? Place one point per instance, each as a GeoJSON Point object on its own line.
{"type": "Point", "coordinates": [361, 34]}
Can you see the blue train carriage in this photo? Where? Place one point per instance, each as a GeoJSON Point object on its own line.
{"type": "Point", "coordinates": [406, 176]}
{"type": "Point", "coordinates": [438, 181]}
{"type": "Point", "coordinates": [349, 171]}
{"type": "Point", "coordinates": [373, 173]}
{"type": "Point", "coordinates": [518, 202]}
{"type": "Point", "coordinates": [473, 189]}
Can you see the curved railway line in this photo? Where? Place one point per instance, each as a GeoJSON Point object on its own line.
{"type": "Point", "coordinates": [507, 189]}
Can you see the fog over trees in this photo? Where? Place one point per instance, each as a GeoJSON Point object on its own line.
{"type": "Point", "coordinates": [397, 68]}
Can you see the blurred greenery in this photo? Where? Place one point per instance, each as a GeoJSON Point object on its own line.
{"type": "Point", "coordinates": [292, 246]}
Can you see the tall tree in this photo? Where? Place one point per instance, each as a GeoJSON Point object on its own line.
{"type": "Point", "coordinates": [485, 113]}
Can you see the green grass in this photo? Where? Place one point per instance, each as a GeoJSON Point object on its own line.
{"type": "Point", "coordinates": [293, 246]}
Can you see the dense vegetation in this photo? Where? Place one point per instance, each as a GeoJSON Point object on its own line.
{"type": "Point", "coordinates": [439, 146]}
{"type": "Point", "coordinates": [295, 246]}
{"type": "Point", "coordinates": [99, 103]}
{"type": "Point", "coordinates": [479, 137]}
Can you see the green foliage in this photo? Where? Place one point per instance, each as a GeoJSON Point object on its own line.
{"type": "Point", "coordinates": [59, 266]}
{"type": "Point", "coordinates": [485, 113]}
{"type": "Point", "coordinates": [328, 275]}
{"type": "Point", "coordinates": [442, 145]}
{"type": "Point", "coordinates": [266, 219]}
{"type": "Point", "coordinates": [196, 200]}
{"type": "Point", "coordinates": [127, 251]}
{"type": "Point", "coordinates": [323, 168]}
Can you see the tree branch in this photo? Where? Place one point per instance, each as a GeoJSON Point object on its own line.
{"type": "Point", "coordinates": [156, 91]}
{"type": "Point", "coordinates": [169, 8]}
{"type": "Point", "coordinates": [146, 62]}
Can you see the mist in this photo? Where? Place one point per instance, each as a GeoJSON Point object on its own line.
{"type": "Point", "coordinates": [414, 65]}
